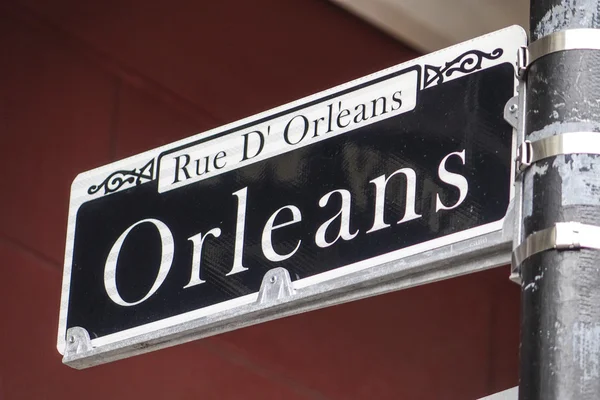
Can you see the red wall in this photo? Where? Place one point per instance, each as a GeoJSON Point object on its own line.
{"type": "Point", "coordinates": [84, 83]}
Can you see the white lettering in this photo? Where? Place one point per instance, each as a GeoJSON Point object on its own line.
{"type": "Point", "coordinates": [456, 180]}
{"type": "Point", "coordinates": [267, 244]}
{"type": "Point", "coordinates": [344, 214]}
{"type": "Point", "coordinates": [110, 268]}
{"type": "Point", "coordinates": [409, 209]}
{"type": "Point", "coordinates": [240, 227]}
{"type": "Point", "coordinates": [198, 241]}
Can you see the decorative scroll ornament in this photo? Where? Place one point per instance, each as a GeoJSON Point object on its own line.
{"type": "Point", "coordinates": [467, 62]}
{"type": "Point", "coordinates": [117, 179]}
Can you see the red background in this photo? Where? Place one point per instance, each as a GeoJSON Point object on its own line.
{"type": "Point", "coordinates": [84, 83]}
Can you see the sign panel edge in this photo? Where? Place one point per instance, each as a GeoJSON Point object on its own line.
{"type": "Point", "coordinates": [143, 167]}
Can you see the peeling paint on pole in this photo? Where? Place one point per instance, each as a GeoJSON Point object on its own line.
{"type": "Point", "coordinates": [586, 345]}
{"type": "Point", "coordinates": [568, 14]}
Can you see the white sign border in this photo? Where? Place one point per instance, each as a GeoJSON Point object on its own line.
{"type": "Point", "coordinates": [491, 241]}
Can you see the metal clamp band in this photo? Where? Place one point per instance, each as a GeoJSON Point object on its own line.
{"type": "Point", "coordinates": [567, 143]}
{"type": "Point", "coordinates": [570, 39]}
{"type": "Point", "coordinates": [562, 236]}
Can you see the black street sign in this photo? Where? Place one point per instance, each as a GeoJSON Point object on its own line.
{"type": "Point", "coordinates": [411, 159]}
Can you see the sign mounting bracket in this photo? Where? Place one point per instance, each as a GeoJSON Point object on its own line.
{"type": "Point", "coordinates": [276, 286]}
{"type": "Point", "coordinates": [564, 40]}
{"type": "Point", "coordinates": [78, 341]}
{"type": "Point", "coordinates": [529, 152]}
{"type": "Point", "coordinates": [514, 114]}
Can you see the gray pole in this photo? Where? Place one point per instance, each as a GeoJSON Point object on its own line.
{"type": "Point", "coordinates": [560, 312]}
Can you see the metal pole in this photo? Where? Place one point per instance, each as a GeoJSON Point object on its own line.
{"type": "Point", "coordinates": [560, 309]}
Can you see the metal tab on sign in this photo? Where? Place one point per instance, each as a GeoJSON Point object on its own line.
{"type": "Point", "coordinates": [524, 156]}
{"type": "Point", "coordinates": [522, 62]}
{"type": "Point", "coordinates": [511, 112]}
{"type": "Point", "coordinates": [78, 341]}
{"type": "Point", "coordinates": [276, 285]}
{"type": "Point", "coordinates": [514, 115]}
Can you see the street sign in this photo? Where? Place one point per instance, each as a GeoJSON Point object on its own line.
{"type": "Point", "coordinates": [397, 178]}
